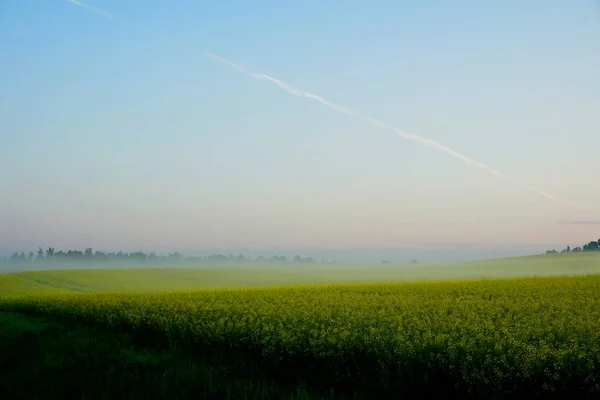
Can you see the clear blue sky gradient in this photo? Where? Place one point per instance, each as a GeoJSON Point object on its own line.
{"type": "Point", "coordinates": [114, 139]}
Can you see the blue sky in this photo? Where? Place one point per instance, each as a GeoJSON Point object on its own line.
{"type": "Point", "coordinates": [114, 139]}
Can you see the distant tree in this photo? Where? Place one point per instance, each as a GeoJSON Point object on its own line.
{"type": "Point", "coordinates": [49, 253]}
{"type": "Point", "coordinates": [176, 256]}
{"type": "Point", "coordinates": [138, 257]}
{"type": "Point", "coordinates": [299, 259]}
{"type": "Point", "coordinates": [74, 254]}
{"type": "Point", "coordinates": [276, 258]}
{"type": "Point", "coordinates": [592, 246]}
{"type": "Point", "coordinates": [216, 258]}
{"type": "Point", "coordinates": [103, 256]}
{"type": "Point", "coordinates": [40, 254]}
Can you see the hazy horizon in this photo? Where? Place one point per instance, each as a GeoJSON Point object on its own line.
{"type": "Point", "coordinates": [405, 255]}
{"type": "Point", "coordinates": [115, 140]}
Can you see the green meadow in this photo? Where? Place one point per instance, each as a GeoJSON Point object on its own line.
{"type": "Point", "coordinates": [507, 328]}
{"type": "Point", "coordinates": [177, 278]}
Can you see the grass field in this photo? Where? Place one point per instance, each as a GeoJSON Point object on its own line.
{"type": "Point", "coordinates": [506, 338]}
{"type": "Point", "coordinates": [44, 358]}
{"type": "Point", "coordinates": [166, 279]}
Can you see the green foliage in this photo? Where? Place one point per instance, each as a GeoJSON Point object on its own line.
{"type": "Point", "coordinates": [525, 337]}
{"type": "Point", "coordinates": [42, 358]}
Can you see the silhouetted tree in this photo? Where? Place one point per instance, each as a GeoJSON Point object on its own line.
{"type": "Point", "coordinates": [77, 257]}
{"type": "Point", "coordinates": [591, 246]}
{"type": "Point", "coordinates": [175, 257]}
{"type": "Point", "coordinates": [40, 255]}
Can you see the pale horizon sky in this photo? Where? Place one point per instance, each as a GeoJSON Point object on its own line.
{"type": "Point", "coordinates": [112, 139]}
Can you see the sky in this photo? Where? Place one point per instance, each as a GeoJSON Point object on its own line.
{"type": "Point", "coordinates": [113, 138]}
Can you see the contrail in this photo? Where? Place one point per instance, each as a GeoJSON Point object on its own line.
{"type": "Point", "coordinates": [303, 93]}
{"type": "Point", "coordinates": [94, 9]}
{"type": "Point", "coordinates": [405, 135]}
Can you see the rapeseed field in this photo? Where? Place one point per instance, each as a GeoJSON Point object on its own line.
{"type": "Point", "coordinates": [493, 338]}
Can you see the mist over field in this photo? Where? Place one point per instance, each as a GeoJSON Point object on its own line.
{"type": "Point", "coordinates": [426, 254]}
{"type": "Point", "coordinates": [80, 277]}
{"type": "Point", "coordinates": [370, 257]}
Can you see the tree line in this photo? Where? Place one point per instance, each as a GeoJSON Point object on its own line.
{"type": "Point", "coordinates": [594, 245]}
{"type": "Point", "coordinates": [88, 255]}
